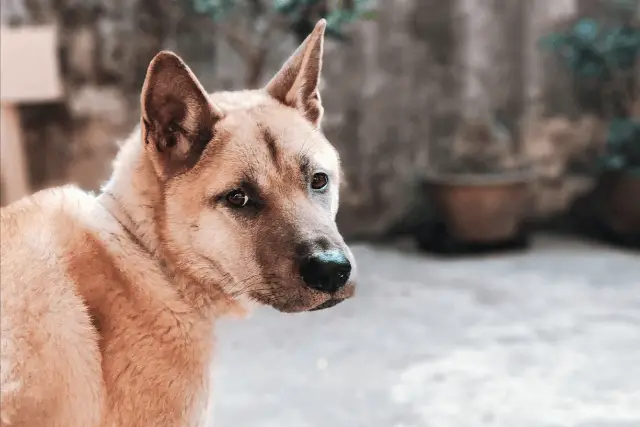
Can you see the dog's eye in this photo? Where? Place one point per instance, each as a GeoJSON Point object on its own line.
{"type": "Point", "coordinates": [319, 181]}
{"type": "Point", "coordinates": [238, 198]}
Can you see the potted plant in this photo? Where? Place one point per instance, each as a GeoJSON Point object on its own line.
{"type": "Point", "coordinates": [618, 187]}
{"type": "Point", "coordinates": [603, 60]}
{"type": "Point", "coordinates": [481, 196]}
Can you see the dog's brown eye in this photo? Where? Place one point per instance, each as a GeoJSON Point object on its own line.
{"type": "Point", "coordinates": [238, 198]}
{"type": "Point", "coordinates": [319, 181]}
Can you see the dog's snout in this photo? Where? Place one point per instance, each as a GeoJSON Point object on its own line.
{"type": "Point", "coordinates": [326, 271]}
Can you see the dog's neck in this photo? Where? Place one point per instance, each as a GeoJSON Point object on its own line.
{"type": "Point", "coordinates": [132, 193]}
{"type": "Point", "coordinates": [132, 196]}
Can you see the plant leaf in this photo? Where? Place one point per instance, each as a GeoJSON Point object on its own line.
{"type": "Point", "coordinates": [369, 15]}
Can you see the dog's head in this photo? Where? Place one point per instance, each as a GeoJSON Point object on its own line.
{"type": "Point", "coordinates": [250, 184]}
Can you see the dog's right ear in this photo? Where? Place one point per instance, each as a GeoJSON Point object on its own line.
{"type": "Point", "coordinates": [177, 116]}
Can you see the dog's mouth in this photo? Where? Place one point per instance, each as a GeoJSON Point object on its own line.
{"type": "Point", "coordinates": [302, 299]}
{"type": "Point", "coordinates": [327, 304]}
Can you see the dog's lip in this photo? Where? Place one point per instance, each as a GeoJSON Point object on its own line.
{"type": "Point", "coordinates": [327, 304]}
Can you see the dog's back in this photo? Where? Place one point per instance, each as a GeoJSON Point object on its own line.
{"type": "Point", "coordinates": [50, 361]}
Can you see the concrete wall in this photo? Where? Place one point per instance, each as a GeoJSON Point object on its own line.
{"type": "Point", "coordinates": [394, 96]}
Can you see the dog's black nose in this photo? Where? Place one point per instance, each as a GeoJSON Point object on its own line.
{"type": "Point", "coordinates": [326, 271]}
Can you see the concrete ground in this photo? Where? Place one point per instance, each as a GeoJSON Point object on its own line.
{"type": "Point", "coordinates": [550, 337]}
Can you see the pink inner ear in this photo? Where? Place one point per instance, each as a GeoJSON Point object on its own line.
{"type": "Point", "coordinates": [312, 108]}
{"type": "Point", "coordinates": [173, 94]}
{"type": "Point", "coordinates": [177, 114]}
{"type": "Point", "coordinates": [164, 109]}
{"type": "Point", "coordinates": [296, 84]}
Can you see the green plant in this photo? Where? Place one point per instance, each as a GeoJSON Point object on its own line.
{"type": "Point", "coordinates": [593, 51]}
{"type": "Point", "coordinates": [337, 17]}
{"type": "Point", "coordinates": [250, 26]}
{"type": "Point", "coordinates": [602, 60]}
{"type": "Point", "coordinates": [622, 151]}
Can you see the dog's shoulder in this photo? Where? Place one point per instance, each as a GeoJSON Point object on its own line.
{"type": "Point", "coordinates": [40, 230]}
{"type": "Point", "coordinates": [50, 216]}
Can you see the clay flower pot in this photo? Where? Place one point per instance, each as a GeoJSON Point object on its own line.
{"type": "Point", "coordinates": [481, 208]}
{"type": "Point", "coordinates": [618, 195]}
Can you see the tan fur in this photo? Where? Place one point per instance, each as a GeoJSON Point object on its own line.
{"type": "Point", "coordinates": [109, 303]}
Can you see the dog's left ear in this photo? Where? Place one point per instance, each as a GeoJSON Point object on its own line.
{"type": "Point", "coordinates": [296, 84]}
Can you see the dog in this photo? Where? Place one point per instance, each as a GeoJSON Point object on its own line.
{"type": "Point", "coordinates": [216, 202]}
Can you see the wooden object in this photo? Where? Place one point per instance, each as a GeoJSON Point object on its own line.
{"type": "Point", "coordinates": [29, 73]}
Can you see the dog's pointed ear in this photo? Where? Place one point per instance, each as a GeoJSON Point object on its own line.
{"type": "Point", "coordinates": [178, 118]}
{"type": "Point", "coordinates": [296, 84]}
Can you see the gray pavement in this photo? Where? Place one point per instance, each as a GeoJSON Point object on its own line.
{"type": "Point", "coordinates": [550, 337]}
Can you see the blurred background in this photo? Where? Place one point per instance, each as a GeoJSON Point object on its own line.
{"type": "Point", "coordinates": [492, 158]}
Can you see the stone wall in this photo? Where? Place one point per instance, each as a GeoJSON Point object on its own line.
{"type": "Point", "coordinates": [394, 95]}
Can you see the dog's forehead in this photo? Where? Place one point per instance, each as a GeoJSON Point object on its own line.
{"type": "Point", "coordinates": [280, 136]}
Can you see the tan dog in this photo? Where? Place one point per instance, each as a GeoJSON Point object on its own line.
{"type": "Point", "coordinates": [109, 303]}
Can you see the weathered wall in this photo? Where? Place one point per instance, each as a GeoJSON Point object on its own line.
{"type": "Point", "coordinates": [394, 96]}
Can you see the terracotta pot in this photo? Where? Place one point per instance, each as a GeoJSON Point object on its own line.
{"type": "Point", "coordinates": [619, 200]}
{"type": "Point", "coordinates": [481, 208]}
